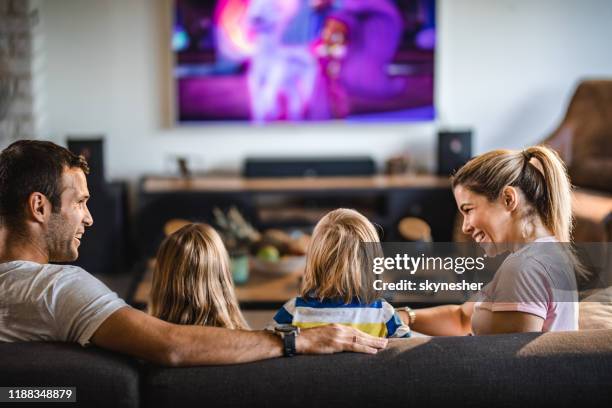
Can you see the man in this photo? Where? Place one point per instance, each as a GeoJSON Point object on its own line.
{"type": "Point", "coordinates": [43, 216]}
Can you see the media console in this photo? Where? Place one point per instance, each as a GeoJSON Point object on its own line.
{"type": "Point", "coordinates": [295, 202]}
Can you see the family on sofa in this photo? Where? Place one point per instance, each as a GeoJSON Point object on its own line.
{"type": "Point", "coordinates": [507, 199]}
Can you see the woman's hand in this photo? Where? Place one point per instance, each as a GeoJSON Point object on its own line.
{"type": "Point", "coordinates": [448, 320]}
{"type": "Point", "coordinates": [336, 338]}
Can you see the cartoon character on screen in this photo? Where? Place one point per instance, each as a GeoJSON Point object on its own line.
{"type": "Point", "coordinates": [331, 49]}
{"type": "Point", "coordinates": [281, 77]}
{"type": "Point", "coordinates": [308, 58]}
{"type": "Point", "coordinates": [375, 28]}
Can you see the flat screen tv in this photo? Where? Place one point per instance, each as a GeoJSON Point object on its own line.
{"type": "Point", "coordinates": [263, 61]}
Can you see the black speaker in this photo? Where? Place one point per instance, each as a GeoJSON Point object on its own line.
{"type": "Point", "coordinates": [103, 249]}
{"type": "Point", "coordinates": [454, 150]}
{"type": "Point", "coordinates": [93, 151]}
{"type": "Point", "coordinates": [309, 167]}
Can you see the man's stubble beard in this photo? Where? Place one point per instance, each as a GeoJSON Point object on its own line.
{"type": "Point", "coordinates": [59, 239]}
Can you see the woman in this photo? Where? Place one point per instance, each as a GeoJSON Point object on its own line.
{"type": "Point", "coordinates": [510, 200]}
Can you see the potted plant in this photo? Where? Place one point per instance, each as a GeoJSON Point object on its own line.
{"type": "Point", "coordinates": [238, 236]}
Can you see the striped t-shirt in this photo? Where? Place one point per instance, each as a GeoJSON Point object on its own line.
{"type": "Point", "coordinates": [377, 318]}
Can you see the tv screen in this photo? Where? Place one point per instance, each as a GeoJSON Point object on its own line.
{"type": "Point", "coordinates": [304, 60]}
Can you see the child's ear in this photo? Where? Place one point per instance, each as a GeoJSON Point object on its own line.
{"type": "Point", "coordinates": [510, 198]}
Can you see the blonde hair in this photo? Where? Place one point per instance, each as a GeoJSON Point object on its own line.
{"type": "Point", "coordinates": [540, 175]}
{"type": "Point", "coordinates": [192, 281]}
{"type": "Point", "coordinates": [340, 257]}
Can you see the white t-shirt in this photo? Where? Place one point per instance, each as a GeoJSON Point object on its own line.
{"type": "Point", "coordinates": [537, 279]}
{"type": "Point", "coordinates": [45, 302]}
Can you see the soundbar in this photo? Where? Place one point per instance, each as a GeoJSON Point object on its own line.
{"type": "Point", "coordinates": [308, 167]}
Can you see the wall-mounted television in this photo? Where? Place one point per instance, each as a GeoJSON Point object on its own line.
{"type": "Point", "coordinates": [263, 61]}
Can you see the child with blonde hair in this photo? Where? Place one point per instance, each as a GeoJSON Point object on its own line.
{"type": "Point", "coordinates": [192, 281]}
{"type": "Point", "coordinates": [338, 281]}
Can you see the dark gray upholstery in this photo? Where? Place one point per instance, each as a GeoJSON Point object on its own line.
{"type": "Point", "coordinates": [102, 379]}
{"type": "Point", "coordinates": [553, 369]}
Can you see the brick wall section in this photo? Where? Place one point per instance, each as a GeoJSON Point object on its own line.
{"type": "Point", "coordinates": [17, 21]}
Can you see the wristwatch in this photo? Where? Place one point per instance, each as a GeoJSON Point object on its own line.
{"type": "Point", "coordinates": [288, 333]}
{"type": "Point", "coordinates": [411, 314]}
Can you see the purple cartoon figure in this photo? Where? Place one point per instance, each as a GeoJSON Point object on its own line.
{"type": "Point", "coordinates": [281, 77]}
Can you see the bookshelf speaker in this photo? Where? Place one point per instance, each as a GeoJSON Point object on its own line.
{"type": "Point", "coordinates": [454, 150]}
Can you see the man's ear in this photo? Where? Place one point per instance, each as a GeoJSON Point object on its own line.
{"type": "Point", "coordinates": [38, 207]}
{"type": "Point", "coordinates": [510, 198]}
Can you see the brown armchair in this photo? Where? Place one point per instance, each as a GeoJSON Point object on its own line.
{"type": "Point", "coordinates": [584, 137]}
{"type": "Point", "coordinates": [584, 141]}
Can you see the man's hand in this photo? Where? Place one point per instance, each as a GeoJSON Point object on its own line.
{"type": "Point", "coordinates": [137, 334]}
{"type": "Point", "coordinates": [335, 338]}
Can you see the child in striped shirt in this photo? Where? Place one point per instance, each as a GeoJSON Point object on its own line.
{"type": "Point", "coordinates": [338, 282]}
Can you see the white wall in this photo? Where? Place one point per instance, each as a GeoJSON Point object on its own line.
{"type": "Point", "coordinates": [504, 67]}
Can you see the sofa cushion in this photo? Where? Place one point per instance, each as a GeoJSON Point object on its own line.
{"type": "Point", "coordinates": [560, 369]}
{"type": "Point", "coordinates": [102, 379]}
{"type": "Point", "coordinates": [596, 311]}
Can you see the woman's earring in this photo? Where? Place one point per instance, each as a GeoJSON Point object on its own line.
{"type": "Point", "coordinates": [528, 229]}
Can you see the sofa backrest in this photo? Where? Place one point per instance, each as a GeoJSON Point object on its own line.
{"type": "Point", "coordinates": [101, 378]}
{"type": "Point", "coordinates": [551, 369]}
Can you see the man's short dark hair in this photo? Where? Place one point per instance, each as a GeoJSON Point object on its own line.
{"type": "Point", "coordinates": [29, 166]}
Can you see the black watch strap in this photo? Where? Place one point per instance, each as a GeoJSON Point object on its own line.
{"type": "Point", "coordinates": [289, 345]}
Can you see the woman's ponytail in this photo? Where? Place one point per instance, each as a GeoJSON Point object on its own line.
{"type": "Point", "coordinates": [555, 204]}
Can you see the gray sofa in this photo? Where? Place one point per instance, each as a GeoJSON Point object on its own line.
{"type": "Point", "coordinates": [553, 369]}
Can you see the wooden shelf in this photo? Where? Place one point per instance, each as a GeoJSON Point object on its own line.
{"type": "Point", "coordinates": [294, 202]}
{"type": "Point", "coordinates": [153, 184]}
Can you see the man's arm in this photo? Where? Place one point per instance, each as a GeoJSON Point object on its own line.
{"type": "Point", "coordinates": [135, 333]}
